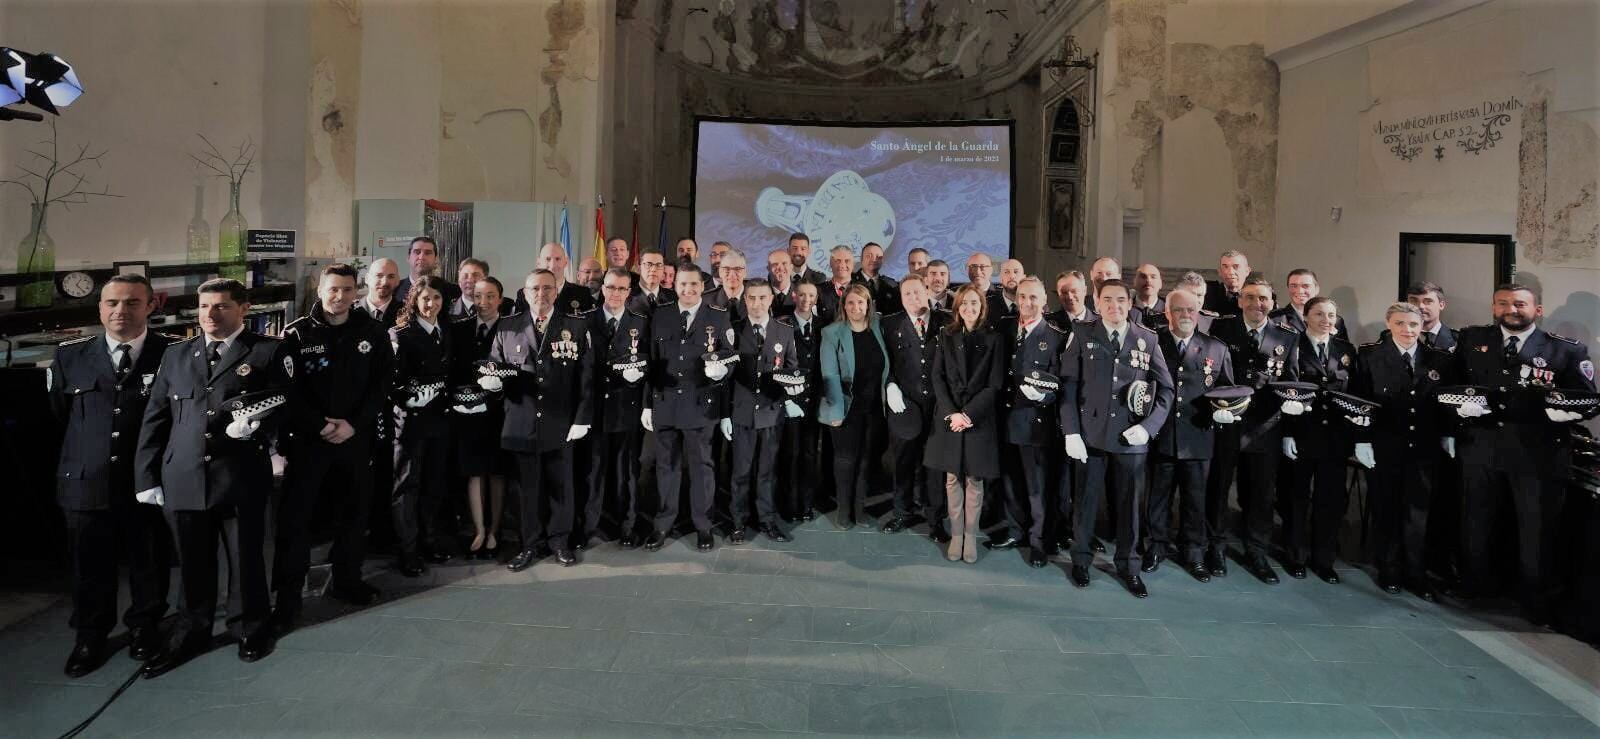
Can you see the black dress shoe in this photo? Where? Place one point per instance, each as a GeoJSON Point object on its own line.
{"type": "Point", "coordinates": [738, 536]}
{"type": "Point", "coordinates": [1152, 561]}
{"type": "Point", "coordinates": [87, 656]}
{"type": "Point", "coordinates": [628, 541]}
{"type": "Point", "coordinates": [523, 560]}
{"type": "Point", "coordinates": [1259, 566]}
{"type": "Point", "coordinates": [1295, 570]}
{"type": "Point", "coordinates": [355, 593]}
{"type": "Point", "coordinates": [1008, 542]}
{"type": "Point", "coordinates": [1423, 590]}
{"type": "Point", "coordinates": [437, 558]}
{"type": "Point", "coordinates": [1326, 573]}
{"type": "Point", "coordinates": [1199, 571]}
{"type": "Point", "coordinates": [938, 534]}
{"type": "Point", "coordinates": [809, 515]}
{"type": "Point", "coordinates": [1389, 586]}
{"type": "Point", "coordinates": [285, 618]}
{"type": "Point", "coordinates": [772, 532]}
{"type": "Point", "coordinates": [704, 541]}
{"type": "Point", "coordinates": [1217, 564]}
{"type": "Point", "coordinates": [1135, 585]}
{"type": "Point", "coordinates": [566, 557]}
{"type": "Point", "coordinates": [1080, 576]}
{"type": "Point", "coordinates": [411, 565]}
{"type": "Point", "coordinates": [144, 642]}
{"type": "Point", "coordinates": [1099, 547]}
{"type": "Point", "coordinates": [654, 541]}
{"type": "Point", "coordinates": [171, 656]}
{"type": "Point", "coordinates": [252, 648]}
{"type": "Point", "coordinates": [895, 525]}
{"type": "Point", "coordinates": [580, 544]}
{"type": "Point", "coordinates": [1037, 557]}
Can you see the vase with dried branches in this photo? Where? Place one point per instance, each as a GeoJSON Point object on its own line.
{"type": "Point", "coordinates": [231, 230]}
{"type": "Point", "coordinates": [49, 181]}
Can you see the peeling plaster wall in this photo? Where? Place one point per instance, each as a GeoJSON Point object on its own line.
{"type": "Point", "coordinates": [1546, 54]}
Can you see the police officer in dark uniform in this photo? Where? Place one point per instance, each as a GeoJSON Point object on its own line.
{"type": "Point", "coordinates": [570, 297]}
{"type": "Point", "coordinates": [802, 441]}
{"type": "Point", "coordinates": [650, 293]}
{"type": "Point", "coordinates": [729, 295]}
{"type": "Point", "coordinates": [799, 248]}
{"type": "Point", "coordinates": [1515, 445]}
{"type": "Point", "coordinates": [209, 466]}
{"type": "Point", "coordinates": [686, 399]}
{"type": "Point", "coordinates": [760, 402]}
{"type": "Point", "coordinates": [1030, 424]}
{"type": "Point", "coordinates": [547, 407]}
{"type": "Point", "coordinates": [1099, 368]}
{"type": "Point", "coordinates": [1318, 445]}
{"type": "Point", "coordinates": [912, 338]}
{"type": "Point", "coordinates": [423, 356]}
{"type": "Point", "coordinates": [619, 333]}
{"type": "Point", "coordinates": [1302, 288]}
{"type": "Point", "coordinates": [343, 363]}
{"type": "Point", "coordinates": [885, 290]}
{"type": "Point", "coordinates": [1224, 293]}
{"type": "Point", "coordinates": [1402, 446]}
{"type": "Point", "coordinates": [1181, 453]}
{"type": "Point", "coordinates": [831, 292]}
{"type": "Point", "coordinates": [1262, 351]}
{"type": "Point", "coordinates": [98, 388]}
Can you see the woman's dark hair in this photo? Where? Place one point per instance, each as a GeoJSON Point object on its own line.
{"type": "Point", "coordinates": [499, 288]}
{"type": "Point", "coordinates": [408, 310]}
{"type": "Point", "coordinates": [855, 288]}
{"type": "Point", "coordinates": [960, 325]}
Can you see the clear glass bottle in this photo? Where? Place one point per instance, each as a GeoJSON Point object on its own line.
{"type": "Point", "coordinates": [36, 260]}
{"type": "Point", "coordinates": [200, 251]}
{"type": "Point", "coordinates": [230, 238]}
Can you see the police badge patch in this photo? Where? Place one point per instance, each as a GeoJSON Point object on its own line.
{"type": "Point", "coordinates": [1345, 360]}
{"type": "Point", "coordinates": [1433, 375]}
{"type": "Point", "coordinates": [243, 371]}
{"type": "Point", "coordinates": [1539, 362]}
{"type": "Point", "coordinates": [364, 347]}
{"type": "Point", "coordinates": [1587, 368]}
{"type": "Point", "coordinates": [731, 337]}
{"type": "Point", "coordinates": [288, 367]}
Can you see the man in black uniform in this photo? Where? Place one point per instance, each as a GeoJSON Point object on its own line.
{"type": "Point", "coordinates": [1098, 370]}
{"type": "Point", "coordinates": [1149, 308]}
{"type": "Point", "coordinates": [649, 293]}
{"type": "Point", "coordinates": [830, 292]}
{"type": "Point", "coordinates": [547, 407]}
{"type": "Point", "coordinates": [1072, 290]}
{"type": "Point", "coordinates": [1302, 287]}
{"type": "Point", "coordinates": [800, 257]}
{"type": "Point", "coordinates": [619, 334]}
{"type": "Point", "coordinates": [686, 399]}
{"type": "Point", "coordinates": [802, 443]}
{"type": "Point", "coordinates": [1262, 351]}
{"type": "Point", "coordinates": [383, 277]}
{"type": "Point", "coordinates": [912, 338]}
{"type": "Point", "coordinates": [885, 290]}
{"type": "Point", "coordinates": [98, 388]}
{"type": "Point", "coordinates": [570, 297]}
{"type": "Point", "coordinates": [1516, 446]}
{"type": "Point", "coordinates": [1003, 302]}
{"type": "Point", "coordinates": [1222, 294]}
{"type": "Point", "coordinates": [1030, 424]}
{"type": "Point", "coordinates": [1429, 300]}
{"type": "Point", "coordinates": [1182, 451]}
{"type": "Point", "coordinates": [729, 295]}
{"type": "Point", "coordinates": [780, 274]}
{"type": "Point", "coordinates": [423, 256]}
{"type": "Point", "coordinates": [209, 468]}
{"type": "Point", "coordinates": [343, 363]}
{"type": "Point", "coordinates": [766, 347]}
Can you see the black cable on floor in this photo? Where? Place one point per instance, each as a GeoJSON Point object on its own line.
{"type": "Point", "coordinates": [79, 729]}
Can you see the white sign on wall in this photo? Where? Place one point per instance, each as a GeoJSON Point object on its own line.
{"type": "Point", "coordinates": [1461, 141]}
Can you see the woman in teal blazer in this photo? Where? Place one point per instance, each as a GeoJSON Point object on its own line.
{"type": "Point", "coordinates": [855, 371]}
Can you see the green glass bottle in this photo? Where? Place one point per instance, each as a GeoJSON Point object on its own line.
{"type": "Point", "coordinates": [199, 237]}
{"type": "Point", "coordinates": [230, 238]}
{"type": "Point", "coordinates": [36, 261]}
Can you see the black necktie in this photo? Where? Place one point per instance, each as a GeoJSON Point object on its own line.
{"type": "Point", "coordinates": [538, 330]}
{"type": "Point", "coordinates": [1116, 344]}
{"type": "Point", "coordinates": [1512, 349]}
{"type": "Point", "coordinates": [1411, 364]}
{"type": "Point", "coordinates": [611, 327]}
{"type": "Point", "coordinates": [483, 331]}
{"type": "Point", "coordinates": [1427, 338]}
{"type": "Point", "coordinates": [685, 316]}
{"type": "Point", "coordinates": [215, 355]}
{"type": "Point", "coordinates": [1182, 345]}
{"type": "Point", "coordinates": [1322, 354]}
{"type": "Point", "coordinates": [761, 336]}
{"type": "Point", "coordinates": [1255, 337]}
{"type": "Point", "coordinates": [125, 364]}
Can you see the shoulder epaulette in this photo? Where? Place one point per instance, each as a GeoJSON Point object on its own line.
{"type": "Point", "coordinates": [187, 339]}
{"type": "Point", "coordinates": [634, 313]}
{"type": "Point", "coordinates": [75, 342]}
{"type": "Point", "coordinates": [1559, 337]}
{"type": "Point", "coordinates": [717, 308]}
{"type": "Point", "coordinates": [1211, 313]}
{"type": "Point", "coordinates": [462, 320]}
{"type": "Point", "coordinates": [1054, 327]}
{"type": "Point", "coordinates": [787, 321]}
{"type": "Point", "coordinates": [169, 337]}
{"type": "Point", "coordinates": [1371, 344]}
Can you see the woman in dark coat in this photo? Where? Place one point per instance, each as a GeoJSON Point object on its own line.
{"type": "Point", "coordinates": [422, 428]}
{"type": "Point", "coordinates": [855, 371]}
{"type": "Point", "coordinates": [968, 370]}
{"type": "Point", "coordinates": [477, 427]}
{"type": "Point", "coordinates": [1318, 444]}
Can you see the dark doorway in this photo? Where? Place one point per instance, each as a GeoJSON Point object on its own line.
{"type": "Point", "coordinates": [1467, 266]}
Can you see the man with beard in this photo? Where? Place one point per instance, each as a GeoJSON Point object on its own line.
{"type": "Point", "coordinates": [938, 279]}
{"type": "Point", "coordinates": [912, 338]}
{"type": "Point", "coordinates": [423, 257]}
{"type": "Point", "coordinates": [383, 276]}
{"type": "Point", "coordinates": [780, 275]}
{"type": "Point", "coordinates": [1149, 308]}
{"type": "Point", "coordinates": [885, 290]}
{"type": "Point", "coordinates": [1003, 302]}
{"type": "Point", "coordinates": [916, 261]}
{"type": "Point", "coordinates": [800, 257]}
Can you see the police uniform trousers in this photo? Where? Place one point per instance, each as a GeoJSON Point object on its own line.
{"type": "Point", "coordinates": [755, 454]}
{"type": "Point", "coordinates": [614, 480]}
{"type": "Point", "coordinates": [129, 532]}
{"type": "Point", "coordinates": [422, 475]}
{"type": "Point", "coordinates": [1122, 477]}
{"type": "Point", "coordinates": [1536, 483]}
{"type": "Point", "coordinates": [241, 529]}
{"type": "Point", "coordinates": [311, 464]}
{"type": "Point", "coordinates": [588, 493]}
{"type": "Point", "coordinates": [544, 489]}
{"type": "Point", "coordinates": [1402, 488]}
{"type": "Point", "coordinates": [799, 463]}
{"type": "Point", "coordinates": [677, 449]}
{"type": "Point", "coordinates": [914, 488]}
{"type": "Point", "coordinates": [1067, 482]}
{"type": "Point", "coordinates": [1026, 477]}
{"type": "Point", "coordinates": [1316, 501]}
{"type": "Point", "coordinates": [1188, 476]}
{"type": "Point", "coordinates": [1255, 472]}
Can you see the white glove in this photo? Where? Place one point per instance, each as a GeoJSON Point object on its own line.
{"type": "Point", "coordinates": [1449, 444]}
{"type": "Point", "coordinates": [491, 383]}
{"type": "Point", "coordinates": [1076, 449]}
{"type": "Point", "coordinates": [1294, 407]}
{"type": "Point", "coordinates": [1364, 455]}
{"type": "Point", "coordinates": [716, 371]}
{"type": "Point", "coordinates": [1359, 421]}
{"type": "Point", "coordinates": [242, 428]}
{"type": "Point", "coordinates": [469, 410]}
{"type": "Point", "coordinates": [577, 432]}
{"type": "Point", "coordinates": [1290, 449]}
{"type": "Point", "coordinates": [1472, 411]}
{"type": "Point", "coordinates": [1136, 436]}
{"type": "Point", "coordinates": [1031, 393]}
{"type": "Point", "coordinates": [1560, 416]}
{"type": "Point", "coordinates": [1223, 416]}
{"type": "Point", "coordinates": [794, 390]}
{"type": "Point", "coordinates": [897, 401]}
{"type": "Point", "coordinates": [632, 375]}
{"type": "Point", "coordinates": [644, 420]}
{"type": "Point", "coordinates": [153, 496]}
{"type": "Point", "coordinates": [792, 410]}
{"type": "Point", "coordinates": [422, 398]}
{"type": "Point", "coordinates": [726, 425]}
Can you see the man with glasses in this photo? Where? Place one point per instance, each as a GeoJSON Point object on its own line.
{"type": "Point", "coordinates": [652, 290]}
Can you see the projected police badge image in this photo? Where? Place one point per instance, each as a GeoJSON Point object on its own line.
{"type": "Point", "coordinates": [943, 188]}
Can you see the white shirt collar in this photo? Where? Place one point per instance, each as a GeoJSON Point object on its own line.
{"type": "Point", "coordinates": [760, 325]}
{"type": "Point", "coordinates": [482, 322]}
{"type": "Point", "coordinates": [135, 346]}
{"type": "Point", "coordinates": [1028, 327]}
{"type": "Point", "coordinates": [1405, 352]}
{"type": "Point", "coordinates": [1522, 336]}
{"type": "Point", "coordinates": [226, 343]}
{"type": "Point", "coordinates": [692, 311]}
{"type": "Point", "coordinates": [374, 307]}
{"type": "Point", "coordinates": [426, 326]}
{"type": "Point", "coordinates": [609, 314]}
{"type": "Point", "coordinates": [1083, 315]}
{"type": "Point", "coordinates": [1122, 331]}
{"type": "Point", "coordinates": [1262, 327]}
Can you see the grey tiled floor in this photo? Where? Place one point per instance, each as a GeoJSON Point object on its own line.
{"type": "Point", "coordinates": [835, 633]}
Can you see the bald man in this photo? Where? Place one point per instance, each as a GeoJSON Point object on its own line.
{"type": "Point", "coordinates": [589, 272]}
{"type": "Point", "coordinates": [1148, 306]}
{"type": "Point", "coordinates": [383, 276]}
{"type": "Point", "coordinates": [571, 298]}
{"type": "Point", "coordinates": [1003, 302]}
{"type": "Point", "coordinates": [1104, 268]}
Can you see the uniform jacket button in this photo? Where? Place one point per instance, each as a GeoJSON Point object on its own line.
{"type": "Point", "coordinates": [116, 434]}
{"type": "Point", "coordinates": [113, 457]}
{"type": "Point", "coordinates": [206, 458]}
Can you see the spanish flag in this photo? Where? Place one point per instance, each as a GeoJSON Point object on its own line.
{"type": "Point", "coordinates": [600, 231]}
